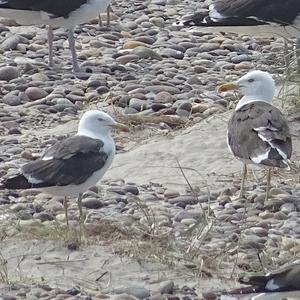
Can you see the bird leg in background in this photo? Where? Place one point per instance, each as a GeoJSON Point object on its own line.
{"type": "Point", "coordinates": [66, 210]}
{"type": "Point", "coordinates": [108, 10]}
{"type": "Point", "coordinates": [100, 23]}
{"type": "Point", "coordinates": [108, 15]}
{"type": "Point", "coordinates": [79, 203]}
{"type": "Point", "coordinates": [50, 45]}
{"type": "Point", "coordinates": [244, 175]}
{"type": "Point", "coordinates": [268, 184]}
{"type": "Point", "coordinates": [73, 50]}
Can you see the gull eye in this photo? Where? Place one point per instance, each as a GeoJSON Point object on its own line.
{"type": "Point", "coordinates": [250, 80]}
{"type": "Point", "coordinates": [100, 119]}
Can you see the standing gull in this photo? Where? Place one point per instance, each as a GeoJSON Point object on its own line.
{"type": "Point", "coordinates": [258, 133]}
{"type": "Point", "coordinates": [55, 13]}
{"type": "Point", "coordinates": [72, 166]}
{"type": "Point", "coordinates": [256, 17]}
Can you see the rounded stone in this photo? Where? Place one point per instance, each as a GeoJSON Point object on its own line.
{"type": "Point", "coordinates": [8, 73]}
{"type": "Point", "coordinates": [35, 93]}
{"type": "Point", "coordinates": [92, 203]}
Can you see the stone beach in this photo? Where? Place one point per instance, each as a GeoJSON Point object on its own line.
{"type": "Point", "coordinates": [163, 223]}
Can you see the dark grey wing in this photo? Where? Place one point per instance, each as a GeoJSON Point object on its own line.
{"type": "Point", "coordinates": [246, 13]}
{"type": "Point", "coordinates": [287, 279]}
{"type": "Point", "coordinates": [71, 161]}
{"type": "Point", "coordinates": [56, 8]}
{"type": "Point", "coordinates": [283, 279]}
{"type": "Point", "coordinates": [277, 11]}
{"type": "Point", "coordinates": [259, 132]}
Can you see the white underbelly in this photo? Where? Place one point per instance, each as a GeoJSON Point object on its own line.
{"type": "Point", "coordinates": [83, 14]}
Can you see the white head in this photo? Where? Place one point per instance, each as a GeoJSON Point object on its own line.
{"type": "Point", "coordinates": [255, 86]}
{"type": "Point", "coordinates": [97, 124]}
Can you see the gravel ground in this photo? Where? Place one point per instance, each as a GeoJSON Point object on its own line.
{"type": "Point", "coordinates": [157, 78]}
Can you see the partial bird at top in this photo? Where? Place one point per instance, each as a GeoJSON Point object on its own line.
{"type": "Point", "coordinates": [276, 16]}
{"type": "Point", "coordinates": [56, 13]}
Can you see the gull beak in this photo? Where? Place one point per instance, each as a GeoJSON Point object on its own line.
{"type": "Point", "coordinates": [228, 87]}
{"type": "Point", "coordinates": [121, 127]}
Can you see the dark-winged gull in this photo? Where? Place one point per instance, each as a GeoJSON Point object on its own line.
{"type": "Point", "coordinates": [286, 278]}
{"type": "Point", "coordinates": [70, 167]}
{"type": "Point", "coordinates": [282, 16]}
{"type": "Point", "coordinates": [258, 133]}
{"type": "Point", "coordinates": [55, 13]}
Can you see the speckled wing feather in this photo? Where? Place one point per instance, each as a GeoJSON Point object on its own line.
{"type": "Point", "coordinates": [259, 130]}
{"type": "Point", "coordinates": [71, 161]}
{"type": "Point", "coordinates": [55, 8]}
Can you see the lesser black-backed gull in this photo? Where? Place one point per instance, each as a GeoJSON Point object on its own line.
{"type": "Point", "coordinates": [258, 133]}
{"type": "Point", "coordinates": [286, 278]}
{"type": "Point", "coordinates": [73, 165]}
{"type": "Point", "coordinates": [281, 16]}
{"type": "Point", "coordinates": [254, 17]}
{"type": "Point", "coordinates": [55, 13]}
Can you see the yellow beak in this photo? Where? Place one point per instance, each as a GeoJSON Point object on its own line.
{"type": "Point", "coordinates": [121, 127]}
{"type": "Point", "coordinates": [228, 87]}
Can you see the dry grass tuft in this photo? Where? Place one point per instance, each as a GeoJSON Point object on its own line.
{"type": "Point", "coordinates": [171, 120]}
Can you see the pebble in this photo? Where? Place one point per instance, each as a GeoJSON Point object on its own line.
{"type": "Point", "coordinates": [167, 287]}
{"type": "Point", "coordinates": [10, 43]}
{"type": "Point", "coordinates": [92, 203]}
{"type": "Point", "coordinates": [8, 73]}
{"type": "Point", "coordinates": [124, 296]}
{"type": "Point", "coordinates": [12, 99]}
{"type": "Point", "coordinates": [35, 93]}
{"type": "Point", "coordinates": [136, 291]}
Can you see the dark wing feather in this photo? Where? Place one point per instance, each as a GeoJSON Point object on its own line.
{"type": "Point", "coordinates": [284, 279]}
{"type": "Point", "coordinates": [278, 11]}
{"type": "Point", "coordinates": [247, 13]}
{"type": "Point", "coordinates": [56, 8]}
{"type": "Point", "coordinates": [257, 128]}
{"type": "Point", "coordinates": [71, 161]}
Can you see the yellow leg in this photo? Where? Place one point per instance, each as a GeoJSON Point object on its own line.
{"type": "Point", "coordinates": [100, 23]}
{"type": "Point", "coordinates": [108, 15]}
{"type": "Point", "coordinates": [244, 175]}
{"type": "Point", "coordinates": [268, 184]}
{"type": "Point", "coordinates": [50, 45]}
{"type": "Point", "coordinates": [66, 211]}
{"type": "Point", "coordinates": [79, 203]}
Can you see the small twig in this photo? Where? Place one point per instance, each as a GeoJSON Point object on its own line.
{"type": "Point", "coordinates": [60, 261]}
{"type": "Point", "coordinates": [100, 277]}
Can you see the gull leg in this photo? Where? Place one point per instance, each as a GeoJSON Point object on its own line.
{"type": "Point", "coordinates": [244, 175]}
{"type": "Point", "coordinates": [268, 184]}
{"type": "Point", "coordinates": [66, 210]}
{"type": "Point", "coordinates": [73, 50]}
{"type": "Point", "coordinates": [108, 15]}
{"type": "Point", "coordinates": [50, 45]}
{"type": "Point", "coordinates": [79, 203]}
{"type": "Point", "coordinates": [100, 23]}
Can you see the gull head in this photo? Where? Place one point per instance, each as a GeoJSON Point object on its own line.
{"type": "Point", "coordinates": [254, 86]}
{"type": "Point", "coordinates": [96, 123]}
